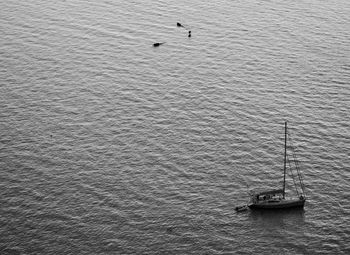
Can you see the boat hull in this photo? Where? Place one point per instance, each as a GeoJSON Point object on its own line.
{"type": "Point", "coordinates": [282, 204]}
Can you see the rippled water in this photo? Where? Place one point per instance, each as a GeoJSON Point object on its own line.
{"type": "Point", "coordinates": [112, 146]}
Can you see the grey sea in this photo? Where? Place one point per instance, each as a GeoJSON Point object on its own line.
{"type": "Point", "coordinates": [109, 145]}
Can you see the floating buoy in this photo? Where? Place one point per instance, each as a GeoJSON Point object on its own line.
{"type": "Point", "coordinates": [189, 33]}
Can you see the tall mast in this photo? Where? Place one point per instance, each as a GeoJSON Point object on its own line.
{"type": "Point", "coordinates": [285, 159]}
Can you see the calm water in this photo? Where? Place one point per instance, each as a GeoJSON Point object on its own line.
{"type": "Point", "coordinates": [111, 146]}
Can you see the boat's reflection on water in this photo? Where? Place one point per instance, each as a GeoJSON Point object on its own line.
{"type": "Point", "coordinates": [282, 230]}
{"type": "Point", "coordinates": [281, 217]}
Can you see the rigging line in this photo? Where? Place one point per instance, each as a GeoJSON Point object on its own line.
{"type": "Point", "coordinates": [296, 162]}
{"type": "Point", "coordinates": [292, 175]}
{"type": "Point", "coordinates": [299, 172]}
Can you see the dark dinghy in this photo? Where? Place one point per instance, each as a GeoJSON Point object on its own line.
{"type": "Point", "coordinates": [157, 44]}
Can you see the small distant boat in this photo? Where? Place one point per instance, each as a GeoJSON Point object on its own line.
{"type": "Point", "coordinates": [276, 199]}
{"type": "Point", "coordinates": [157, 44]}
{"type": "Point", "coordinates": [180, 25]}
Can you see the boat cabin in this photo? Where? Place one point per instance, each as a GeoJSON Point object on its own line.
{"type": "Point", "coordinates": [270, 195]}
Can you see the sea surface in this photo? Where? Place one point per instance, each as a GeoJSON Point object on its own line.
{"type": "Point", "coordinates": [109, 145]}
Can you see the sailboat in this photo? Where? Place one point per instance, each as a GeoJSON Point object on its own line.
{"type": "Point", "coordinates": [276, 199]}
